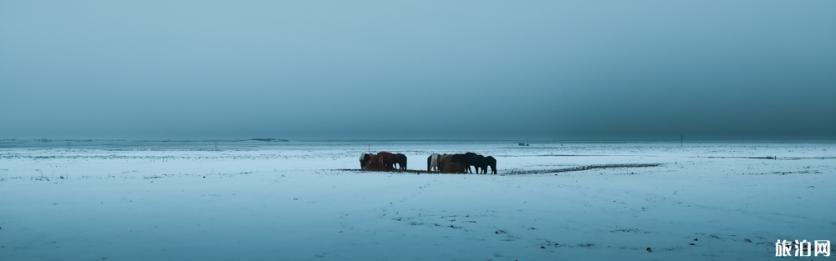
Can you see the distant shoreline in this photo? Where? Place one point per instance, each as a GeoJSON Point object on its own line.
{"type": "Point", "coordinates": [412, 140]}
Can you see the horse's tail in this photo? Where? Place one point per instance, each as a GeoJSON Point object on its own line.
{"type": "Point", "coordinates": [492, 163]}
{"type": "Point", "coordinates": [429, 161]}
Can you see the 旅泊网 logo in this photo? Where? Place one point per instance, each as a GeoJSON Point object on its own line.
{"type": "Point", "coordinates": [802, 248]}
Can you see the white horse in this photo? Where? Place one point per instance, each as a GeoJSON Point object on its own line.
{"type": "Point", "coordinates": [432, 162]}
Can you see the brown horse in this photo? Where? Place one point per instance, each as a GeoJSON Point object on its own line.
{"type": "Point", "coordinates": [372, 163]}
{"type": "Point", "coordinates": [382, 161]}
{"type": "Point", "coordinates": [451, 163]}
{"type": "Point", "coordinates": [364, 159]}
{"type": "Point", "coordinates": [386, 160]}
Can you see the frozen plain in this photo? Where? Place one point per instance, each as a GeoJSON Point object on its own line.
{"type": "Point", "coordinates": [291, 201]}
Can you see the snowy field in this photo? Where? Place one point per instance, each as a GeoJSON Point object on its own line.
{"type": "Point", "coordinates": [290, 201]}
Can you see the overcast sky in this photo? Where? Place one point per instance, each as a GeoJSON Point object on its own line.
{"type": "Point", "coordinates": [417, 69]}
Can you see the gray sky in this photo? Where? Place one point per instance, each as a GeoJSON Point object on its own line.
{"type": "Point", "coordinates": [417, 69]}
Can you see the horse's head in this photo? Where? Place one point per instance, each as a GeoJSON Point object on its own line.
{"type": "Point", "coordinates": [364, 159]}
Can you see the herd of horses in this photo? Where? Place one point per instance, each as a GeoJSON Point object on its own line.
{"type": "Point", "coordinates": [442, 163]}
{"type": "Point", "coordinates": [382, 161]}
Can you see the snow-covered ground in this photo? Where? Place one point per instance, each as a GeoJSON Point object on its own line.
{"type": "Point", "coordinates": [289, 201]}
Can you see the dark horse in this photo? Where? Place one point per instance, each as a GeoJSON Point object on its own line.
{"type": "Point", "coordinates": [475, 160]}
{"type": "Point", "coordinates": [480, 163]}
{"type": "Point", "coordinates": [491, 162]}
{"type": "Point", "coordinates": [400, 159]}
